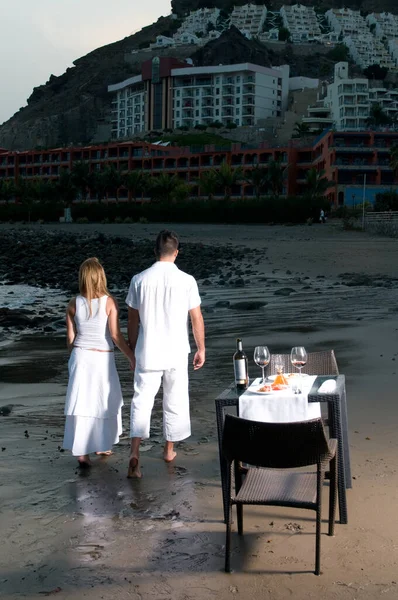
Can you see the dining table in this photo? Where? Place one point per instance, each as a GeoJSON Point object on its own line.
{"type": "Point", "coordinates": [316, 392]}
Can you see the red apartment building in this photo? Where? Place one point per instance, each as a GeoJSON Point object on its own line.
{"type": "Point", "coordinates": [346, 157]}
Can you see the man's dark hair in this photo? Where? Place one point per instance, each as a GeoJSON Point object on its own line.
{"type": "Point", "coordinates": [166, 243]}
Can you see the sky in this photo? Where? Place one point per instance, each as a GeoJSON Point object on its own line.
{"type": "Point", "coordinates": [42, 37]}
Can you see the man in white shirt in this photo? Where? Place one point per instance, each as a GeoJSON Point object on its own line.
{"type": "Point", "coordinates": [160, 300]}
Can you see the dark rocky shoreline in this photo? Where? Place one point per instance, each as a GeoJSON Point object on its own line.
{"type": "Point", "coordinates": [52, 259]}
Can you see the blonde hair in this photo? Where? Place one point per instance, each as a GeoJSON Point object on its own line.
{"type": "Point", "coordinates": [92, 280]}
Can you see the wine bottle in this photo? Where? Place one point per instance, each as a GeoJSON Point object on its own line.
{"type": "Point", "coordinates": [240, 368]}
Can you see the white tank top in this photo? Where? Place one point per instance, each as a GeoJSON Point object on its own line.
{"type": "Point", "coordinates": [92, 332]}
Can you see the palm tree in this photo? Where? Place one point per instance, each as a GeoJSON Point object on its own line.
{"type": "Point", "coordinates": [258, 178]}
{"type": "Point", "coordinates": [181, 192]}
{"type": "Point", "coordinates": [136, 182]}
{"type": "Point", "coordinates": [227, 177]}
{"type": "Point", "coordinates": [207, 183]}
{"type": "Point", "coordinates": [82, 178]}
{"type": "Point", "coordinates": [301, 129]}
{"type": "Point", "coordinates": [394, 160]}
{"type": "Point", "coordinates": [317, 185]}
{"type": "Point", "coordinates": [275, 176]}
{"type": "Point", "coordinates": [377, 117]}
{"type": "Point", "coordinates": [65, 188]}
{"type": "Point", "coordinates": [7, 190]}
{"type": "Point", "coordinates": [163, 187]}
{"type": "Point", "coordinates": [112, 180]}
{"type": "Point", "coordinates": [26, 194]}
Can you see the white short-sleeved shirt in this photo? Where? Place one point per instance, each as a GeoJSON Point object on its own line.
{"type": "Point", "coordinates": [163, 295]}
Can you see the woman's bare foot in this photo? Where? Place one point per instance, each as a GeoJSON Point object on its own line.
{"type": "Point", "coordinates": [134, 471]}
{"type": "Point", "coordinates": [105, 453]}
{"type": "Point", "coordinates": [169, 453]}
{"type": "Point", "coordinates": [84, 461]}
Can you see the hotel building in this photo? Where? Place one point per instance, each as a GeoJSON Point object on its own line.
{"type": "Point", "coordinates": [346, 158]}
{"type": "Point", "coordinates": [346, 103]}
{"type": "Point", "coordinates": [171, 94]}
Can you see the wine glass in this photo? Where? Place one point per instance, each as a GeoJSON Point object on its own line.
{"type": "Point", "coordinates": [262, 357]}
{"type": "Point", "coordinates": [298, 358]}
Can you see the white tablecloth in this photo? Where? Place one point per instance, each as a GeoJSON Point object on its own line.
{"type": "Point", "coordinates": [279, 407]}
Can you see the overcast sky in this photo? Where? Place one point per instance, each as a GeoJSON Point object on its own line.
{"type": "Point", "coordinates": [41, 37]}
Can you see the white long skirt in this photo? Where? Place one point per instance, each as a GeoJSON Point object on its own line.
{"type": "Point", "coordinates": [84, 435]}
{"type": "Point", "coordinates": [93, 403]}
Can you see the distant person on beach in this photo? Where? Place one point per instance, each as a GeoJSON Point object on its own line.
{"type": "Point", "coordinates": [94, 397]}
{"type": "Point", "coordinates": [322, 218]}
{"type": "Point", "coordinates": [160, 300]}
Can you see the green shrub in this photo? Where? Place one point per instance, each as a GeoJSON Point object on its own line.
{"type": "Point", "coordinates": [118, 220]}
{"type": "Point", "coordinates": [105, 221]}
{"type": "Point", "coordinates": [142, 220]}
{"type": "Point", "coordinates": [128, 220]}
{"type": "Point", "coordinates": [82, 220]}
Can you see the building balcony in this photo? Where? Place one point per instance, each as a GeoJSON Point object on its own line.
{"type": "Point", "coordinates": [356, 167]}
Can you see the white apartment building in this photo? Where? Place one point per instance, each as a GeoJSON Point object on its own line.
{"type": "Point", "coordinates": [272, 35]}
{"type": "Point", "coordinates": [249, 19]}
{"type": "Point", "coordinates": [346, 103]}
{"type": "Point", "coordinates": [199, 20]}
{"type": "Point", "coordinates": [162, 41]}
{"type": "Point", "coordinates": [393, 49]}
{"type": "Point", "coordinates": [346, 22]}
{"type": "Point", "coordinates": [383, 25]}
{"type": "Point", "coordinates": [244, 94]}
{"type": "Point", "coordinates": [302, 22]}
{"type": "Point", "coordinates": [128, 107]}
{"type": "Point", "coordinates": [366, 50]}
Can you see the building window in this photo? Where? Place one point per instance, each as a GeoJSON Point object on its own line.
{"type": "Point", "coordinates": [238, 90]}
{"type": "Point", "coordinates": [238, 79]}
{"type": "Point", "coordinates": [217, 112]}
{"type": "Point", "coordinates": [197, 102]}
{"type": "Point", "coordinates": [217, 80]}
{"type": "Point", "coordinates": [237, 111]}
{"type": "Point", "coordinates": [178, 104]}
{"type": "Point", "coordinates": [178, 92]}
{"type": "Point", "coordinates": [217, 90]}
{"type": "Point", "coordinates": [237, 100]}
{"type": "Point", "coordinates": [198, 92]}
{"type": "Point", "coordinates": [177, 114]}
{"type": "Point", "coordinates": [217, 101]}
{"type": "Point", "coordinates": [196, 113]}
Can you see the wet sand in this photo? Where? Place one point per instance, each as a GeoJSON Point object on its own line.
{"type": "Point", "coordinates": [100, 535]}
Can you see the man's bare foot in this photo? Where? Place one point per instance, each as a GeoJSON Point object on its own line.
{"type": "Point", "coordinates": [169, 455]}
{"type": "Point", "coordinates": [105, 453]}
{"type": "Point", "coordinates": [84, 461]}
{"type": "Point", "coordinates": [134, 471]}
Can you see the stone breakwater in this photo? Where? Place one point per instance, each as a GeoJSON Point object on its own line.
{"type": "Point", "coordinates": [51, 259]}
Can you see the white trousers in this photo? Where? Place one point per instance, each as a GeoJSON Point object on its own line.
{"type": "Point", "coordinates": [176, 419]}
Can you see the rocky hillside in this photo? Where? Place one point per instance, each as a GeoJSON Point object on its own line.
{"type": "Point", "coordinates": [75, 107]}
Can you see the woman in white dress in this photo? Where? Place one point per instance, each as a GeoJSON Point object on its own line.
{"type": "Point", "coordinates": [94, 396]}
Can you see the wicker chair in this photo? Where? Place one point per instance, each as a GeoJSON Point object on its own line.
{"type": "Point", "coordinates": [318, 363]}
{"type": "Point", "coordinates": [278, 448]}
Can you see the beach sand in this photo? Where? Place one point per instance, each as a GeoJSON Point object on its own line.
{"type": "Point", "coordinates": [99, 535]}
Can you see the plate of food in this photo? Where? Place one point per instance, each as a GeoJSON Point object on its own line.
{"type": "Point", "coordinates": [268, 389]}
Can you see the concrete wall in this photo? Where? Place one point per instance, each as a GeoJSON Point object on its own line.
{"type": "Point", "coordinates": [301, 83]}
